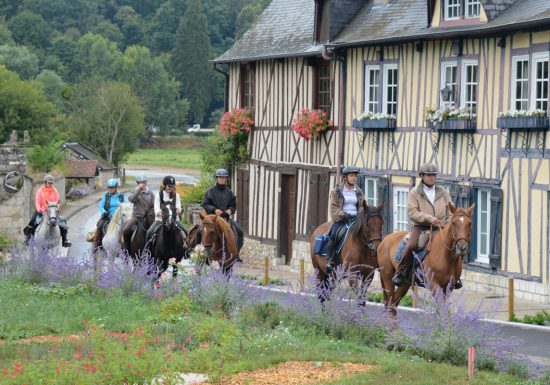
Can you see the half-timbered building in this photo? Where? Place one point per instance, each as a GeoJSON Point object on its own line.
{"type": "Point", "coordinates": [399, 58]}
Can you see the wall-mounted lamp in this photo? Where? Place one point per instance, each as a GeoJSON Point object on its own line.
{"type": "Point", "coordinates": [446, 93]}
{"type": "Point", "coordinates": [419, 46]}
{"type": "Point", "coordinates": [502, 42]}
{"type": "Point", "coordinates": [380, 55]}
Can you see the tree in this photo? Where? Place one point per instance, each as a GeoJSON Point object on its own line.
{"type": "Point", "coordinates": [29, 28]}
{"type": "Point", "coordinates": [96, 56]}
{"type": "Point", "coordinates": [108, 118]}
{"type": "Point", "coordinates": [5, 35]}
{"type": "Point", "coordinates": [130, 24]}
{"type": "Point", "coordinates": [109, 30]}
{"type": "Point", "coordinates": [66, 49]}
{"type": "Point", "coordinates": [63, 14]}
{"type": "Point", "coordinates": [53, 86]}
{"type": "Point", "coordinates": [19, 59]}
{"type": "Point", "coordinates": [190, 60]}
{"type": "Point", "coordinates": [23, 106]}
{"type": "Point", "coordinates": [163, 26]}
{"type": "Point", "coordinates": [248, 15]}
{"type": "Point", "coordinates": [155, 88]}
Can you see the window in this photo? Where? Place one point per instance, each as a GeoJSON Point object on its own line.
{"type": "Point", "coordinates": [390, 89]}
{"type": "Point", "coordinates": [452, 9]}
{"type": "Point", "coordinates": [248, 74]}
{"type": "Point", "coordinates": [469, 81]}
{"type": "Point", "coordinates": [400, 216]}
{"type": "Point", "coordinates": [520, 83]}
{"type": "Point", "coordinates": [448, 79]}
{"type": "Point", "coordinates": [483, 227]}
{"type": "Point", "coordinates": [540, 79]}
{"type": "Point", "coordinates": [372, 82]}
{"type": "Point", "coordinates": [323, 87]}
{"type": "Point", "coordinates": [472, 8]}
{"type": "Point", "coordinates": [370, 191]}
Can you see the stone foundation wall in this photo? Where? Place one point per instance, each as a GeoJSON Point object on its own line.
{"type": "Point", "coordinates": [253, 253]}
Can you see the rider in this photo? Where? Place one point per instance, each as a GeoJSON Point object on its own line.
{"type": "Point", "coordinates": [144, 203]}
{"type": "Point", "coordinates": [427, 206]}
{"type": "Point", "coordinates": [46, 193]}
{"type": "Point", "coordinates": [167, 194]}
{"type": "Point", "coordinates": [220, 200]}
{"type": "Point", "coordinates": [345, 202]}
{"type": "Point", "coordinates": [108, 205]}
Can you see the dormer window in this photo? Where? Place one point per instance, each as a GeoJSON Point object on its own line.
{"type": "Point", "coordinates": [452, 9]}
{"type": "Point", "coordinates": [472, 8]}
{"type": "Point", "coordinates": [458, 12]}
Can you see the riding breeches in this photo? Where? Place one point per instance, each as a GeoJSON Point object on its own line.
{"type": "Point", "coordinates": [411, 246]}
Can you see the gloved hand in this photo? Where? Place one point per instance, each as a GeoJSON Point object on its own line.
{"type": "Point", "coordinates": [105, 215]}
{"type": "Point", "coordinates": [348, 217]}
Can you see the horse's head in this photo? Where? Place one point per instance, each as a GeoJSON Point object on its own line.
{"type": "Point", "coordinates": [122, 214]}
{"type": "Point", "coordinates": [369, 226]}
{"type": "Point", "coordinates": [208, 230]}
{"type": "Point", "coordinates": [169, 215]}
{"type": "Point", "coordinates": [461, 229]}
{"type": "Point", "coordinates": [52, 212]}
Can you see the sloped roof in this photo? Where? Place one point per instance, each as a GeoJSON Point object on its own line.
{"type": "Point", "coordinates": [407, 20]}
{"type": "Point", "coordinates": [494, 7]}
{"type": "Point", "coordinates": [87, 154]}
{"type": "Point", "coordinates": [81, 169]}
{"type": "Point", "coordinates": [285, 28]}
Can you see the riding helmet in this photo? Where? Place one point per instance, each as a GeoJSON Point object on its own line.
{"type": "Point", "coordinates": [427, 168]}
{"type": "Point", "coordinates": [222, 172]}
{"type": "Point", "coordinates": [168, 180]}
{"type": "Point", "coordinates": [350, 170]}
{"type": "Point", "coordinates": [48, 178]}
{"type": "Point", "coordinates": [141, 178]}
{"type": "Point", "coordinates": [112, 183]}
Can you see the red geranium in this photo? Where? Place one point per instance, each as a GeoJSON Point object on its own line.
{"type": "Point", "coordinates": [309, 124]}
{"type": "Point", "coordinates": [236, 121]}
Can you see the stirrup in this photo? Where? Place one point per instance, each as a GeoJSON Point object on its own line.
{"type": "Point", "coordinates": [398, 280]}
{"type": "Point", "coordinates": [66, 243]}
{"type": "Point", "coordinates": [458, 284]}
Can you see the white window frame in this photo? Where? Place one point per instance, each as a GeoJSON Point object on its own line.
{"type": "Point", "coordinates": [472, 4]}
{"type": "Point", "coordinates": [444, 66]}
{"type": "Point", "coordinates": [369, 86]}
{"type": "Point", "coordinates": [483, 258]}
{"type": "Point", "coordinates": [513, 99]}
{"type": "Point", "coordinates": [400, 214]}
{"type": "Point", "coordinates": [538, 58]}
{"type": "Point", "coordinates": [371, 197]}
{"type": "Point", "coordinates": [386, 69]}
{"type": "Point", "coordinates": [464, 83]}
{"type": "Point", "coordinates": [448, 7]}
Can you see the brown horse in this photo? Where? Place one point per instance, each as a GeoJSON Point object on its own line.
{"type": "Point", "coordinates": [137, 244]}
{"type": "Point", "coordinates": [358, 254]}
{"type": "Point", "coordinates": [443, 262]}
{"type": "Point", "coordinates": [219, 240]}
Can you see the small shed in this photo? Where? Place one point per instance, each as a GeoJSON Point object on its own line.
{"type": "Point", "coordinates": [79, 152]}
{"type": "Point", "coordinates": [82, 170]}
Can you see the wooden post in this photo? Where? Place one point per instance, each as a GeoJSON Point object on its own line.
{"type": "Point", "coordinates": [123, 178]}
{"type": "Point", "coordinates": [414, 294]}
{"type": "Point", "coordinates": [471, 362]}
{"type": "Point", "coordinates": [511, 314]}
{"type": "Point", "coordinates": [266, 271]}
{"type": "Point", "coordinates": [302, 275]}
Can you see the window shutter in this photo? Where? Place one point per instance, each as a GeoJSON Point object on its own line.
{"type": "Point", "coordinates": [496, 229]}
{"type": "Point", "coordinates": [473, 241]}
{"type": "Point", "coordinates": [313, 201]}
{"type": "Point", "coordinates": [383, 188]}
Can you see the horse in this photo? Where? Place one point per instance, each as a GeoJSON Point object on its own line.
{"type": "Point", "coordinates": [358, 254]}
{"type": "Point", "coordinates": [170, 242]}
{"type": "Point", "coordinates": [137, 245]}
{"type": "Point", "coordinates": [48, 233]}
{"type": "Point", "coordinates": [219, 239]}
{"type": "Point", "coordinates": [110, 243]}
{"type": "Point", "coordinates": [442, 264]}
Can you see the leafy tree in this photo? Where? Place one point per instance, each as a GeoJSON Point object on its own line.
{"type": "Point", "coordinates": [163, 26]}
{"type": "Point", "coordinates": [23, 106]}
{"type": "Point", "coordinates": [109, 30]}
{"type": "Point", "coordinates": [108, 118]}
{"type": "Point", "coordinates": [96, 56]}
{"type": "Point", "coordinates": [53, 85]}
{"type": "Point", "coordinates": [190, 60]}
{"type": "Point", "coordinates": [155, 88]}
{"type": "Point", "coordinates": [63, 14]}
{"type": "Point", "coordinates": [130, 25]}
{"type": "Point", "coordinates": [30, 28]}
{"type": "Point", "coordinates": [19, 59]}
{"type": "Point", "coordinates": [5, 35]}
{"type": "Point", "coordinates": [9, 8]}
{"type": "Point", "coordinates": [66, 50]}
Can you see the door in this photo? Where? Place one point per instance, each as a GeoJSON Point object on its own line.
{"type": "Point", "coordinates": [242, 198]}
{"type": "Point", "coordinates": [287, 216]}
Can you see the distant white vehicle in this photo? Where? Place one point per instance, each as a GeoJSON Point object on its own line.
{"type": "Point", "coordinates": [196, 129]}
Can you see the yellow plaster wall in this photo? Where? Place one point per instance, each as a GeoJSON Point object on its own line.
{"type": "Point", "coordinates": [437, 14]}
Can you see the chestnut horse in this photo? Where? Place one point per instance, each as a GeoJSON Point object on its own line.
{"type": "Point", "coordinates": [219, 240]}
{"type": "Point", "coordinates": [443, 262]}
{"type": "Point", "coordinates": [358, 254]}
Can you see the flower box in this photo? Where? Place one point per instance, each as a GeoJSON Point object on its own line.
{"type": "Point", "coordinates": [374, 124]}
{"type": "Point", "coordinates": [523, 123]}
{"type": "Point", "coordinates": [455, 124]}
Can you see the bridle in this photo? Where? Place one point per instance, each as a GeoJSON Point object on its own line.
{"type": "Point", "coordinates": [453, 236]}
{"type": "Point", "coordinates": [369, 242]}
{"type": "Point", "coordinates": [210, 246]}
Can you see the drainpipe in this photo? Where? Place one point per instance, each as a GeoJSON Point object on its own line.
{"type": "Point", "coordinates": [341, 110]}
{"type": "Point", "coordinates": [226, 86]}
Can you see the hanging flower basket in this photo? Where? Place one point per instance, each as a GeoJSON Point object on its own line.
{"type": "Point", "coordinates": [454, 124]}
{"type": "Point", "coordinates": [310, 124]}
{"type": "Point", "coordinates": [519, 123]}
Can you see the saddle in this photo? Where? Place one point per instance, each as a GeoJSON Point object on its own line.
{"type": "Point", "coordinates": [320, 246]}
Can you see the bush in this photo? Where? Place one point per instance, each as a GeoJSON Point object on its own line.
{"type": "Point", "coordinates": [46, 158]}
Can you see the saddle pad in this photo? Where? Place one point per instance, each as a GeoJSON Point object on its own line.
{"type": "Point", "coordinates": [320, 245]}
{"type": "Point", "coordinates": [341, 239]}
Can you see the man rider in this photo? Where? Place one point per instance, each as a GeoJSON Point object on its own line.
{"type": "Point", "coordinates": [110, 202]}
{"type": "Point", "coordinates": [46, 193]}
{"type": "Point", "coordinates": [143, 207]}
{"type": "Point", "coordinates": [345, 202]}
{"type": "Point", "coordinates": [167, 194]}
{"type": "Point", "coordinates": [220, 200]}
{"type": "Point", "coordinates": [427, 206]}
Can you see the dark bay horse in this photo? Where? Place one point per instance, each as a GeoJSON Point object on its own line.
{"type": "Point", "coordinates": [358, 254]}
{"type": "Point", "coordinates": [170, 242]}
{"type": "Point", "coordinates": [443, 262]}
{"type": "Point", "coordinates": [219, 240]}
{"type": "Point", "coordinates": [137, 244]}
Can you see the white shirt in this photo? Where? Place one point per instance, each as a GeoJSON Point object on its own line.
{"type": "Point", "coordinates": [350, 200]}
{"type": "Point", "coordinates": [166, 197]}
{"type": "Point", "coordinates": [430, 193]}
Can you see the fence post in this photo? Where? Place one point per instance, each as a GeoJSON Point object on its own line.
{"type": "Point", "coordinates": [266, 271]}
{"type": "Point", "coordinates": [414, 294]}
{"type": "Point", "coordinates": [511, 314]}
{"type": "Point", "coordinates": [471, 361]}
{"type": "Point", "coordinates": [123, 177]}
{"type": "Point", "coordinates": [302, 274]}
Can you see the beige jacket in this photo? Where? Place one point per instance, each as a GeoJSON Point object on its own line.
{"type": "Point", "coordinates": [422, 212]}
{"type": "Point", "coordinates": [337, 202]}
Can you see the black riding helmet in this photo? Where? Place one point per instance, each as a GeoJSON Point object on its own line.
{"type": "Point", "coordinates": [350, 170]}
{"type": "Point", "coordinates": [168, 180]}
{"type": "Point", "coordinates": [222, 172]}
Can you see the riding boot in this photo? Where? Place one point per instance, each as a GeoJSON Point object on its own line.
{"type": "Point", "coordinates": [127, 239]}
{"type": "Point", "coordinates": [401, 276]}
{"type": "Point", "coordinates": [28, 235]}
{"type": "Point", "coordinates": [64, 241]}
{"type": "Point", "coordinates": [458, 284]}
{"type": "Point", "coordinates": [330, 256]}
{"type": "Point", "coordinates": [151, 231]}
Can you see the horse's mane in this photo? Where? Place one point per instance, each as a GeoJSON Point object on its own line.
{"type": "Point", "coordinates": [361, 221]}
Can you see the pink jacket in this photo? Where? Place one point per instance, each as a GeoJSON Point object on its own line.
{"type": "Point", "coordinates": [45, 195]}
